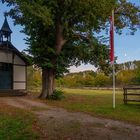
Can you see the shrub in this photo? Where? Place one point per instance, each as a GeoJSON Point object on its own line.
{"type": "Point", "coordinates": [101, 80]}
{"type": "Point", "coordinates": [126, 77]}
{"type": "Point", "coordinates": [57, 95]}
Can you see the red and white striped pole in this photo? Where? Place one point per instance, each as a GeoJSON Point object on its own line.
{"type": "Point", "coordinates": [112, 53]}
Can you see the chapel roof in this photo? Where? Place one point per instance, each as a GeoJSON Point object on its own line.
{"type": "Point", "coordinates": [5, 27]}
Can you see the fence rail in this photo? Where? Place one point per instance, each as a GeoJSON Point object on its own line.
{"type": "Point", "coordinates": [131, 94]}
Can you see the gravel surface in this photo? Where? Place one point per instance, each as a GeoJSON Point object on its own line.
{"type": "Point", "coordinates": [58, 123]}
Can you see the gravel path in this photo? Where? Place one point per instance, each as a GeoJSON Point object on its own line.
{"type": "Point", "coordinates": [58, 123]}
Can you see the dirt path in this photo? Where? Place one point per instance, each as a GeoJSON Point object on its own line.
{"type": "Point", "coordinates": [59, 124]}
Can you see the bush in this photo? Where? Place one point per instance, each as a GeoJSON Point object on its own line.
{"type": "Point", "coordinates": [57, 95]}
{"type": "Point", "coordinates": [126, 77]}
{"type": "Point", "coordinates": [101, 80]}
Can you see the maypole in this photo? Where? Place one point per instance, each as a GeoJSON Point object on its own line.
{"type": "Point", "coordinates": [112, 54]}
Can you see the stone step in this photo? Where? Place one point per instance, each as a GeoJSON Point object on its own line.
{"type": "Point", "coordinates": [4, 93]}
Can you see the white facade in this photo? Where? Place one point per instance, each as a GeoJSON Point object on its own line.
{"type": "Point", "coordinates": [19, 73]}
{"type": "Point", "coordinates": [5, 57]}
{"type": "Point", "coordinates": [19, 69]}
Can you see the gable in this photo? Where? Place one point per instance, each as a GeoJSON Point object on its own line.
{"type": "Point", "coordinates": [9, 51]}
{"type": "Point", "coordinates": [5, 57]}
{"type": "Point", "coordinates": [18, 60]}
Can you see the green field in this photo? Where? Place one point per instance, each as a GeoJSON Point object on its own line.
{"type": "Point", "coordinates": [17, 124]}
{"type": "Point", "coordinates": [99, 103]}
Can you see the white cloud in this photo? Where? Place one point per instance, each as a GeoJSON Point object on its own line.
{"type": "Point", "coordinates": [82, 68]}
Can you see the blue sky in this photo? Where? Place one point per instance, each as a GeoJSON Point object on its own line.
{"type": "Point", "coordinates": [127, 47]}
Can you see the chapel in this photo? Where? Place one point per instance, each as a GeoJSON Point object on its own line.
{"type": "Point", "coordinates": [13, 64]}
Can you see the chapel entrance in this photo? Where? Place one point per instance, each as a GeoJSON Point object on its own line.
{"type": "Point", "coordinates": [6, 76]}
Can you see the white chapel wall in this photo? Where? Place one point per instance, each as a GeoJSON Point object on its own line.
{"type": "Point", "coordinates": [19, 77]}
{"type": "Point", "coordinates": [19, 69]}
{"type": "Point", "coordinates": [5, 57]}
{"type": "Point", "coordinates": [19, 86]}
{"type": "Point", "coordinates": [19, 73]}
{"type": "Point", "coordinates": [18, 60]}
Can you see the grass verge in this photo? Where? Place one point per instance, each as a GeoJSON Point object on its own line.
{"type": "Point", "coordinates": [99, 103]}
{"type": "Point", "coordinates": [17, 124]}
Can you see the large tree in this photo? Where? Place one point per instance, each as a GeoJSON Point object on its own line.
{"type": "Point", "coordinates": [62, 32]}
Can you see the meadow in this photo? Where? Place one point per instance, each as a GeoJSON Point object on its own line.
{"type": "Point", "coordinates": [25, 124]}
{"type": "Point", "coordinates": [99, 103]}
{"type": "Point", "coordinates": [17, 124]}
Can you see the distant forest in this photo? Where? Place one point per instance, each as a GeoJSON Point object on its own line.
{"type": "Point", "coordinates": [126, 74]}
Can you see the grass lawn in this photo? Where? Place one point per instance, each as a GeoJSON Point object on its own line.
{"type": "Point", "coordinates": [99, 103]}
{"type": "Point", "coordinates": [16, 124]}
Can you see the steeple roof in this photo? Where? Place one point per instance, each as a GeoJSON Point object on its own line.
{"type": "Point", "coordinates": [5, 26]}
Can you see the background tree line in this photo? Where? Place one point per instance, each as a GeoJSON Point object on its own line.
{"type": "Point", "coordinates": [126, 74]}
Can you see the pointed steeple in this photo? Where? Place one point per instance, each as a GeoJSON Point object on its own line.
{"type": "Point", "coordinates": [5, 32]}
{"type": "Point", "coordinates": [5, 27]}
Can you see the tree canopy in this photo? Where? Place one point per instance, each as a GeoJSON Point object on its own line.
{"type": "Point", "coordinates": [62, 32]}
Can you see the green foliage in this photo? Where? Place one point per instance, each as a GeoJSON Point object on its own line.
{"type": "Point", "coordinates": [102, 80]}
{"type": "Point", "coordinates": [137, 80]}
{"type": "Point", "coordinates": [57, 95]}
{"type": "Point", "coordinates": [77, 21]}
{"type": "Point", "coordinates": [60, 82]}
{"type": "Point", "coordinates": [33, 78]}
{"type": "Point", "coordinates": [127, 16]}
{"type": "Point", "coordinates": [61, 33]}
{"type": "Point", "coordinates": [130, 76]}
{"type": "Point", "coordinates": [70, 81]}
{"type": "Point", "coordinates": [128, 73]}
{"type": "Point", "coordinates": [126, 77]}
{"type": "Point", "coordinates": [86, 78]}
{"type": "Point", "coordinates": [79, 79]}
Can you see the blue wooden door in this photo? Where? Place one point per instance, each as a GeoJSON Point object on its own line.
{"type": "Point", "coordinates": [5, 76]}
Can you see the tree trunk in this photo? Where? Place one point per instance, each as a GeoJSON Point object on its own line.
{"type": "Point", "coordinates": [59, 39]}
{"type": "Point", "coordinates": [51, 82]}
{"type": "Point", "coordinates": [48, 75]}
{"type": "Point", "coordinates": [48, 83]}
